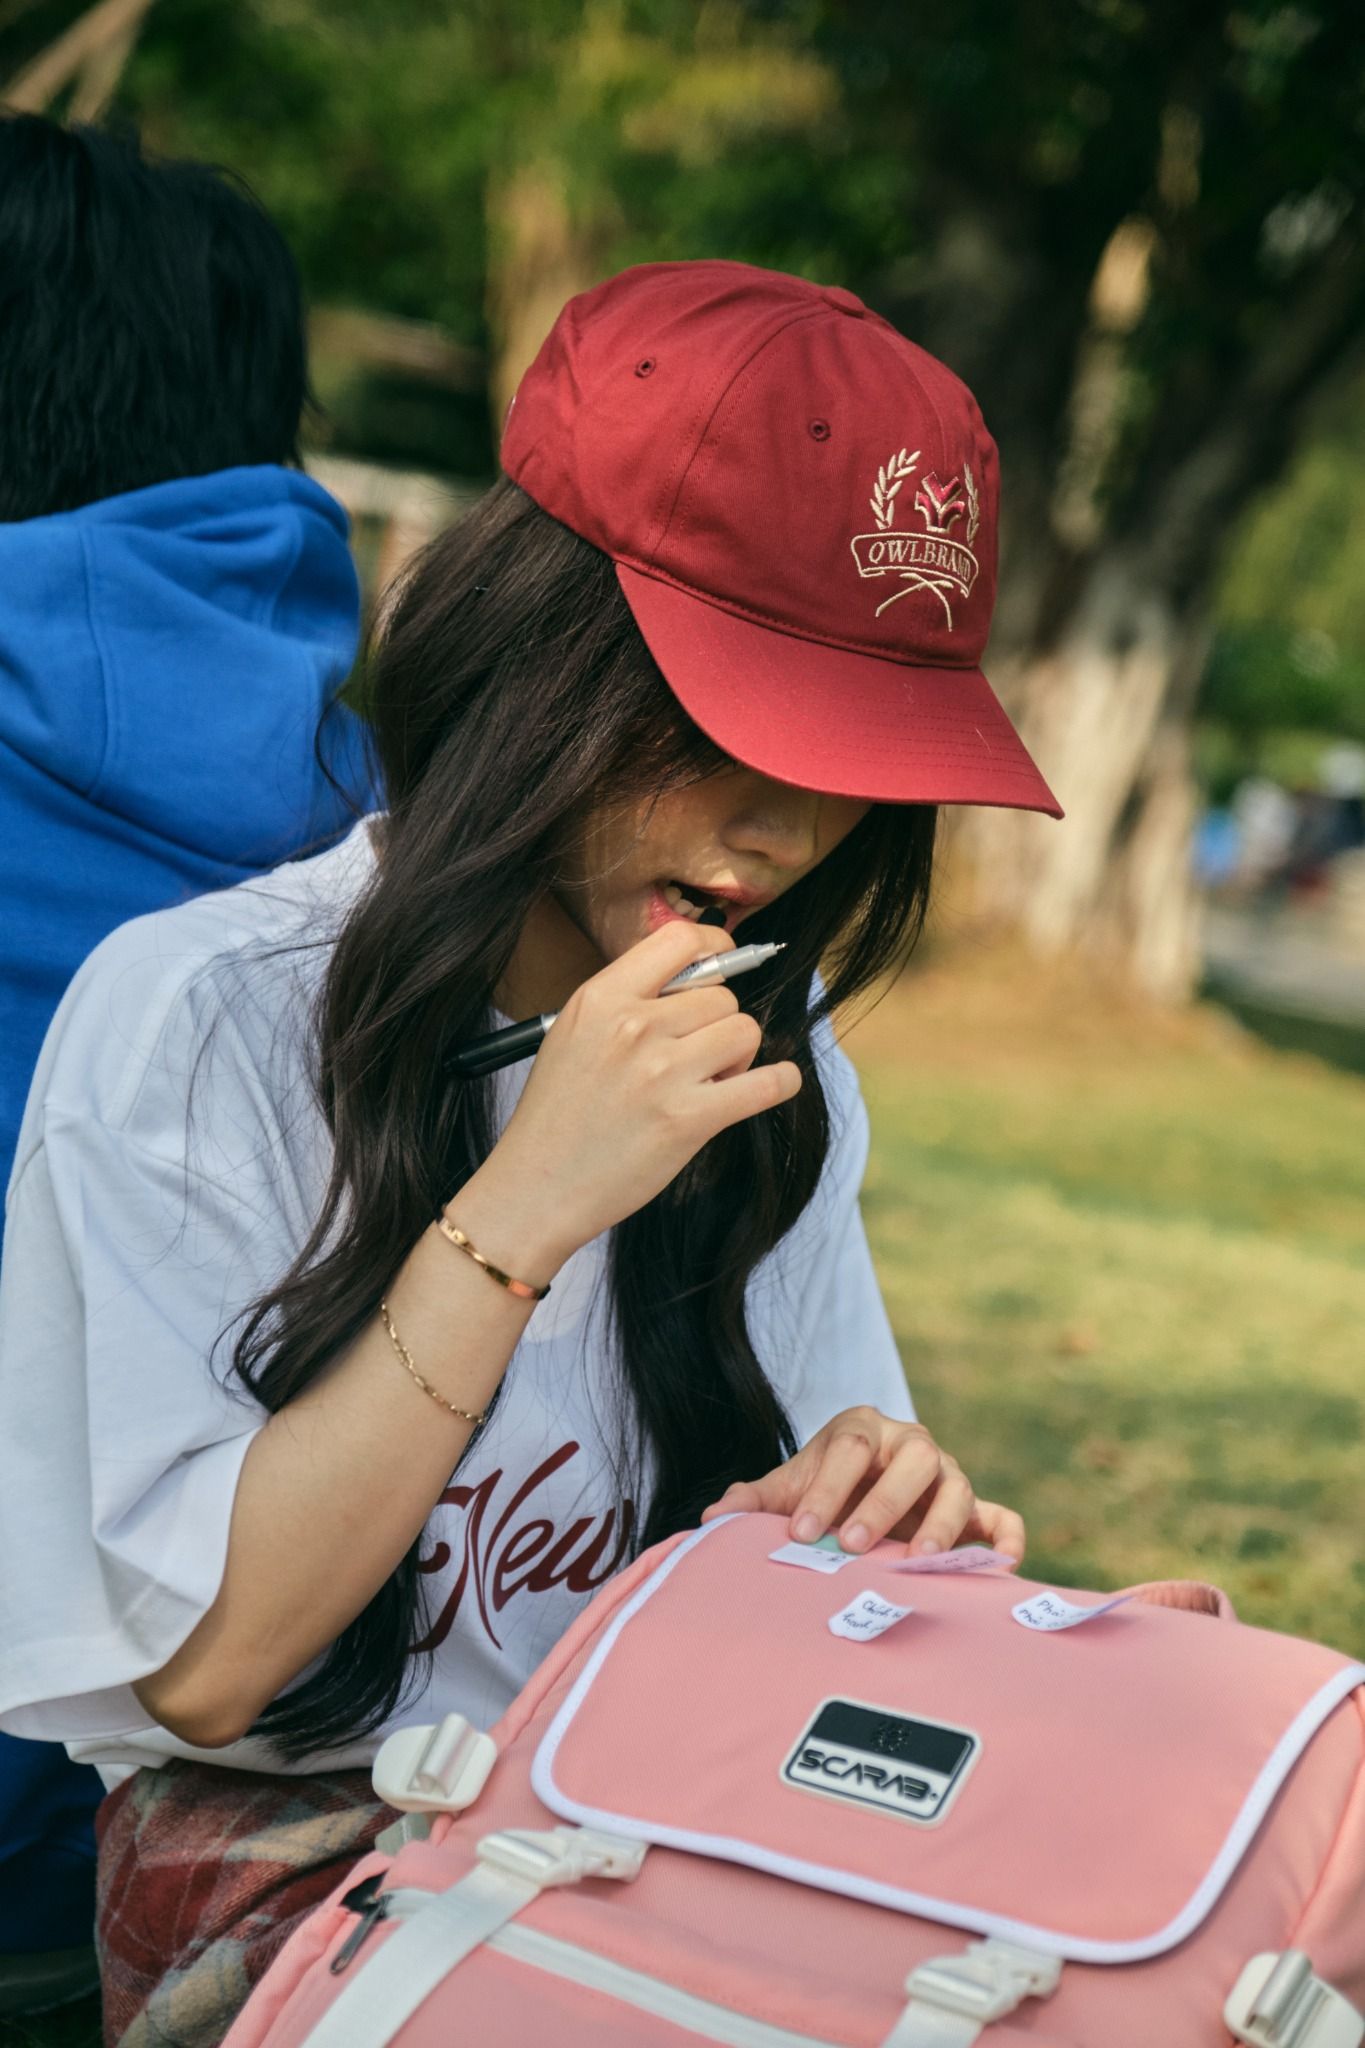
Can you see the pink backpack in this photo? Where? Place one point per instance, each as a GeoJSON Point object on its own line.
{"type": "Point", "coordinates": [748, 1803]}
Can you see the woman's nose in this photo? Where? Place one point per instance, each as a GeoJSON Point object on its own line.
{"type": "Point", "coordinates": [778, 824]}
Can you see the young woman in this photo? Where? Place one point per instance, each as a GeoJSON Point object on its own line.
{"type": "Point", "coordinates": [275, 1272]}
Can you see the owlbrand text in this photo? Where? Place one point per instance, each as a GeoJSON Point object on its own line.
{"type": "Point", "coordinates": [887, 554]}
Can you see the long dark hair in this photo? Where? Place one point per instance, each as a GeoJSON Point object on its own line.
{"type": "Point", "coordinates": [511, 694]}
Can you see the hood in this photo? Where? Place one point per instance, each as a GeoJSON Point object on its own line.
{"type": "Point", "coordinates": [168, 653]}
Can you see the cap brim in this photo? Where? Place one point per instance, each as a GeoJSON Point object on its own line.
{"type": "Point", "coordinates": [832, 719]}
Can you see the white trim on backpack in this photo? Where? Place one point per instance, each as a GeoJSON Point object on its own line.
{"type": "Point", "coordinates": [948, 1913]}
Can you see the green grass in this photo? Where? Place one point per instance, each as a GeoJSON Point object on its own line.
{"type": "Point", "coordinates": [1125, 1261]}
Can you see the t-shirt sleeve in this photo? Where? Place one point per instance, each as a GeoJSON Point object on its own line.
{"type": "Point", "coordinates": [124, 1431]}
{"type": "Point", "coordinates": [843, 1335]}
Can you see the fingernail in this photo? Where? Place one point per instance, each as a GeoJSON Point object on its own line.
{"type": "Point", "coordinates": [929, 1548]}
{"type": "Point", "coordinates": [854, 1537]}
{"type": "Point", "coordinates": [806, 1527]}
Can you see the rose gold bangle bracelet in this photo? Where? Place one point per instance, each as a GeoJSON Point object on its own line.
{"type": "Point", "coordinates": [523, 1289]}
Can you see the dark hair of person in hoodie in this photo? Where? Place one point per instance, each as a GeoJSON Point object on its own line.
{"type": "Point", "coordinates": [152, 321]}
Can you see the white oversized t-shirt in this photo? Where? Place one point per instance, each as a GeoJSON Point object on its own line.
{"type": "Point", "coordinates": [171, 1160]}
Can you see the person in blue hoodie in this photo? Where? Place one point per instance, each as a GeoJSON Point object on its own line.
{"type": "Point", "coordinates": [178, 613]}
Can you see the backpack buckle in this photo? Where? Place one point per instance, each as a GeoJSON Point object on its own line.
{"type": "Point", "coordinates": [440, 1769]}
{"type": "Point", "coordinates": [986, 1982]}
{"type": "Point", "coordinates": [1280, 2002]}
{"type": "Point", "coordinates": [562, 1856]}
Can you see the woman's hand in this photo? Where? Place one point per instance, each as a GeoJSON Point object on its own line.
{"type": "Point", "coordinates": [628, 1085]}
{"type": "Point", "coordinates": [872, 1477]}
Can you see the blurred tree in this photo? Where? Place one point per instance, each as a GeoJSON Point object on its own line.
{"type": "Point", "coordinates": [1137, 232]}
{"type": "Point", "coordinates": [1135, 228]}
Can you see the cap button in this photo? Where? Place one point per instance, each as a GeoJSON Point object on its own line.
{"type": "Point", "coordinates": [847, 302]}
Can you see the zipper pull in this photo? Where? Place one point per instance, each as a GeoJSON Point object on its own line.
{"type": "Point", "coordinates": [372, 1905]}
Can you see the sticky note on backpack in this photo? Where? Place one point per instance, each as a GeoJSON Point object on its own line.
{"type": "Point", "coordinates": [867, 1617]}
{"type": "Point", "coordinates": [1048, 1612]}
{"type": "Point", "coordinates": [824, 1556]}
{"type": "Point", "coordinates": [974, 1557]}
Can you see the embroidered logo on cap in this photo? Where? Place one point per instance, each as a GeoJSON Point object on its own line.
{"type": "Point", "coordinates": [873, 1756]}
{"type": "Point", "coordinates": [936, 560]}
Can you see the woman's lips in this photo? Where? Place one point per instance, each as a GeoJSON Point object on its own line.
{"type": "Point", "coordinates": [661, 912]}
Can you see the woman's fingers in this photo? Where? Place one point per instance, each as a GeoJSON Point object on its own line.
{"type": "Point", "coordinates": [749, 1093]}
{"type": "Point", "coordinates": [1001, 1527]}
{"type": "Point", "coordinates": [849, 1455]}
{"type": "Point", "coordinates": [776, 1493]}
{"type": "Point", "coordinates": [743, 1497]}
{"type": "Point", "coordinates": [643, 970]}
{"type": "Point", "coordinates": [947, 1515]}
{"type": "Point", "coordinates": [692, 1009]}
{"type": "Point", "coordinates": [728, 1047]}
{"type": "Point", "coordinates": [876, 1478]}
{"type": "Point", "coordinates": [915, 1468]}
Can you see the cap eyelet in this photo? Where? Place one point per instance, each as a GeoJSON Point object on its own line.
{"type": "Point", "coordinates": [819, 430]}
{"type": "Point", "coordinates": [645, 367]}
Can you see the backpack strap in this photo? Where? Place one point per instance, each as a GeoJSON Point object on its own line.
{"type": "Point", "coordinates": [514, 1866]}
{"type": "Point", "coordinates": [953, 1998]}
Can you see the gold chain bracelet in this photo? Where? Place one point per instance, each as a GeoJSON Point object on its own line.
{"type": "Point", "coordinates": [523, 1289]}
{"type": "Point", "coordinates": [406, 1356]}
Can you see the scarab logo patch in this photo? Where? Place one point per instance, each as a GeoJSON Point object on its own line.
{"type": "Point", "coordinates": [874, 1756]}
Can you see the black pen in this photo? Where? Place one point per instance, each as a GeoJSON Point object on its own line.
{"type": "Point", "coordinates": [518, 1041]}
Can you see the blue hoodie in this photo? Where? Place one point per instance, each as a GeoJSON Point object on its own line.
{"type": "Point", "coordinates": [165, 657]}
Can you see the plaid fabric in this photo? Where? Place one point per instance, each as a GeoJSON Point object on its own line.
{"type": "Point", "coordinates": [204, 1873]}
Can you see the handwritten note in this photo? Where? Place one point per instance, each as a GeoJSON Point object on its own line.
{"type": "Point", "coordinates": [812, 1557]}
{"type": "Point", "coordinates": [1049, 1612]}
{"type": "Point", "coordinates": [973, 1557]}
{"type": "Point", "coordinates": [867, 1616]}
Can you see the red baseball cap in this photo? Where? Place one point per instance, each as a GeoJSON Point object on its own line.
{"type": "Point", "coordinates": [801, 505]}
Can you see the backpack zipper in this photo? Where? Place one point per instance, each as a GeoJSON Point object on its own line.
{"type": "Point", "coordinates": [372, 1905]}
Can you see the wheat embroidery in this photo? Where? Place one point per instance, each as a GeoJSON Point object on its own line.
{"type": "Point", "coordinates": [890, 477]}
{"type": "Point", "coordinates": [974, 503]}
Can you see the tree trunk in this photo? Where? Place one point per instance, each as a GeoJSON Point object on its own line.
{"type": "Point", "coordinates": [1105, 637]}
{"type": "Point", "coordinates": [1097, 710]}
{"type": "Point", "coordinates": [1147, 917]}
{"type": "Point", "coordinates": [538, 257]}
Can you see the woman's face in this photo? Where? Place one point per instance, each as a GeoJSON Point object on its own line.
{"type": "Point", "coordinates": [736, 839]}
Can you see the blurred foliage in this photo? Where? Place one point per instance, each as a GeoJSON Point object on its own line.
{"type": "Point", "coordinates": [1292, 755]}
{"type": "Point", "coordinates": [1298, 562]}
{"type": "Point", "coordinates": [1120, 219]}
{"type": "Point", "coordinates": [966, 170]}
{"type": "Point", "coordinates": [1288, 663]}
